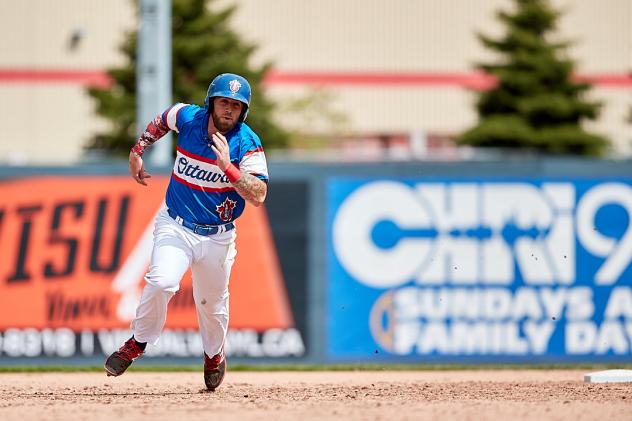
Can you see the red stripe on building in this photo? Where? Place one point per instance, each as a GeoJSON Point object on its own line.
{"type": "Point", "coordinates": [96, 78]}
{"type": "Point", "coordinates": [469, 80]}
{"type": "Point", "coordinates": [610, 80]}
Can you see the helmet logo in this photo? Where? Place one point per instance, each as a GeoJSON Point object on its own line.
{"type": "Point", "coordinates": [234, 85]}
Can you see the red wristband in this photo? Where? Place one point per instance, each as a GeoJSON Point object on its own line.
{"type": "Point", "coordinates": [233, 173]}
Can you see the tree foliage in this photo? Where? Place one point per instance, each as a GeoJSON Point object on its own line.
{"type": "Point", "coordinates": [536, 104]}
{"type": "Point", "coordinates": [203, 46]}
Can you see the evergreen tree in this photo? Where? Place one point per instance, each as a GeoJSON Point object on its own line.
{"type": "Point", "coordinates": [203, 47]}
{"type": "Point", "coordinates": [536, 105]}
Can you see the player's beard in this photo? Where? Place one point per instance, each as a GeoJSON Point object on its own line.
{"type": "Point", "coordinates": [221, 124]}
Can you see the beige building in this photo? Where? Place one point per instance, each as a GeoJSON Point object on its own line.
{"type": "Point", "coordinates": [399, 70]}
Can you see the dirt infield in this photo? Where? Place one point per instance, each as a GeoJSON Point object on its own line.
{"type": "Point", "coordinates": [362, 395]}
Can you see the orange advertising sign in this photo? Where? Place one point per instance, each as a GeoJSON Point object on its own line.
{"type": "Point", "coordinates": [74, 251]}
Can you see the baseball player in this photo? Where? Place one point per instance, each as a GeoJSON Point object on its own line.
{"type": "Point", "coordinates": [219, 166]}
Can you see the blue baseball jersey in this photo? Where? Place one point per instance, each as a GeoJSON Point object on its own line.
{"type": "Point", "coordinates": [198, 190]}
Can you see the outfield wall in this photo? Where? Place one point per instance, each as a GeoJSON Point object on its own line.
{"type": "Point", "coordinates": [516, 261]}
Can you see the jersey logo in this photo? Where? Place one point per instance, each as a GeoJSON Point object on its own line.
{"type": "Point", "coordinates": [234, 85]}
{"type": "Point", "coordinates": [225, 209]}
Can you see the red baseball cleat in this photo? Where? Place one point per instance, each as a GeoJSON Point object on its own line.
{"type": "Point", "coordinates": [117, 363]}
{"type": "Point", "coordinates": [214, 370]}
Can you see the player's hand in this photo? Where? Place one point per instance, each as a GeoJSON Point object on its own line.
{"type": "Point", "coordinates": [137, 169]}
{"type": "Point", "coordinates": [221, 149]}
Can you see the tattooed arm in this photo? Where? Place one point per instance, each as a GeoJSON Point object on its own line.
{"type": "Point", "coordinates": [156, 129]}
{"type": "Point", "coordinates": [251, 188]}
{"type": "Point", "coordinates": [248, 186]}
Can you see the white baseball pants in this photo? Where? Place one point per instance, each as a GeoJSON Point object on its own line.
{"type": "Point", "coordinates": [175, 249]}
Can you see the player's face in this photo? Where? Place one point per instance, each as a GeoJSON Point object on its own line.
{"type": "Point", "coordinates": [226, 113]}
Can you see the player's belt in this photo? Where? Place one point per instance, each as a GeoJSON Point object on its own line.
{"type": "Point", "coordinates": [200, 229]}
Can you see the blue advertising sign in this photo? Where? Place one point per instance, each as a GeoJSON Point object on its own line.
{"type": "Point", "coordinates": [479, 269]}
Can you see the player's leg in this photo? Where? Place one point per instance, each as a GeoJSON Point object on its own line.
{"type": "Point", "coordinates": [171, 257]}
{"type": "Point", "coordinates": [211, 271]}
